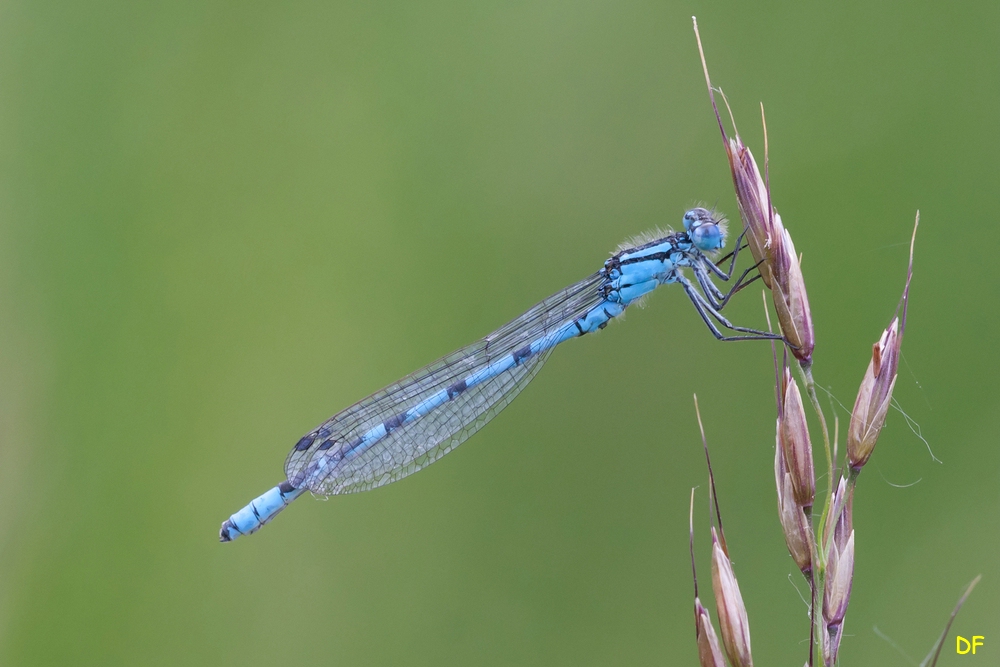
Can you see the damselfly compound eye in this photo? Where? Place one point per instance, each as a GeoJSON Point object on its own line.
{"type": "Point", "coordinates": [703, 229]}
{"type": "Point", "coordinates": [696, 217]}
{"type": "Point", "coordinates": [707, 237]}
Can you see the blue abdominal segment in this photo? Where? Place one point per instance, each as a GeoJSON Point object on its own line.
{"type": "Point", "coordinates": [260, 510]}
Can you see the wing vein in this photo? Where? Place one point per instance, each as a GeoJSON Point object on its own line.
{"type": "Point", "coordinates": [412, 445]}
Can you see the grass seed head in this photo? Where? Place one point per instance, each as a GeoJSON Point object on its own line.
{"type": "Point", "coordinates": [793, 438]}
{"type": "Point", "coordinates": [794, 524]}
{"type": "Point", "coordinates": [709, 653]}
{"type": "Point", "coordinates": [769, 241]}
{"type": "Point", "coordinates": [754, 202]}
{"type": "Point", "coordinates": [839, 577]}
{"type": "Point", "coordinates": [836, 596]}
{"type": "Point", "coordinates": [874, 396]}
{"type": "Point", "coordinates": [830, 641]}
{"type": "Point", "coordinates": [841, 521]}
{"type": "Point", "coordinates": [791, 303]}
{"type": "Point", "coordinates": [732, 613]}
{"type": "Point", "coordinates": [875, 393]}
{"type": "Point", "coordinates": [839, 569]}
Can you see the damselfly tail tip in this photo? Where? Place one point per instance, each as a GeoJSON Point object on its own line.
{"type": "Point", "coordinates": [228, 531]}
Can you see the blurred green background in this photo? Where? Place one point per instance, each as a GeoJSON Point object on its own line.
{"type": "Point", "coordinates": [222, 222]}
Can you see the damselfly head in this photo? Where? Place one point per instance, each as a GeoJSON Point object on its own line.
{"type": "Point", "coordinates": [707, 233]}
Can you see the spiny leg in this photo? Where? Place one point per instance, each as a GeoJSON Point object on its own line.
{"type": "Point", "coordinates": [696, 296]}
{"type": "Point", "coordinates": [705, 309]}
{"type": "Point", "coordinates": [708, 286]}
{"type": "Point", "coordinates": [739, 285]}
{"type": "Point", "coordinates": [710, 289]}
{"type": "Point", "coordinates": [715, 330]}
{"type": "Point", "coordinates": [717, 298]}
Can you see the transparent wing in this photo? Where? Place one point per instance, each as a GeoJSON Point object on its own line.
{"type": "Point", "coordinates": [422, 441]}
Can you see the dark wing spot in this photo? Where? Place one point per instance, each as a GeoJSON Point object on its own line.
{"type": "Point", "coordinates": [456, 389]}
{"type": "Point", "coordinates": [354, 444]}
{"type": "Point", "coordinates": [327, 444]}
{"type": "Point", "coordinates": [394, 422]}
{"type": "Point", "coordinates": [522, 354]}
{"type": "Point", "coordinates": [304, 444]}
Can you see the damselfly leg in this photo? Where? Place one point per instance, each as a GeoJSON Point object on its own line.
{"type": "Point", "coordinates": [708, 312]}
{"type": "Point", "coordinates": [716, 296]}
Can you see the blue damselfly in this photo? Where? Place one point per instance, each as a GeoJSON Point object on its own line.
{"type": "Point", "coordinates": [417, 420]}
